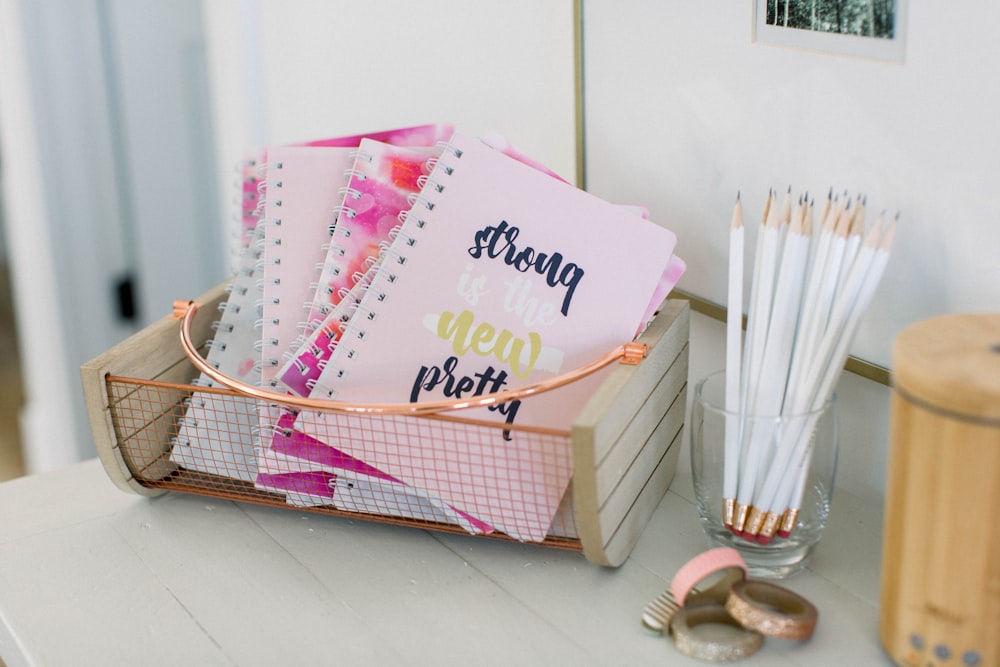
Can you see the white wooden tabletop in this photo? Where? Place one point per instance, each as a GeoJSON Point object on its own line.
{"type": "Point", "coordinates": [90, 575]}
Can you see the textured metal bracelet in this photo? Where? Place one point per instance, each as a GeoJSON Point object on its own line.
{"type": "Point", "coordinates": [771, 610]}
{"type": "Point", "coordinates": [707, 631]}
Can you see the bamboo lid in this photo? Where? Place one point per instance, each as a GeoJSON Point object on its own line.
{"type": "Point", "coordinates": [951, 363]}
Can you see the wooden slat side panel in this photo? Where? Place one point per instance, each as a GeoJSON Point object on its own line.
{"type": "Point", "coordinates": [619, 500]}
{"type": "Point", "coordinates": [95, 396]}
{"type": "Point", "coordinates": [628, 387]}
{"type": "Point", "coordinates": [612, 408]}
{"type": "Point", "coordinates": [633, 444]}
{"type": "Point", "coordinates": [152, 353]}
{"type": "Point", "coordinates": [618, 547]}
{"type": "Point", "coordinates": [585, 507]}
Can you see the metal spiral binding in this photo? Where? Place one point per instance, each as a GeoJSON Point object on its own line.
{"type": "Point", "coordinates": [271, 256]}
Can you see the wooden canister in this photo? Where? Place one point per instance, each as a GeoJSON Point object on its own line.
{"type": "Point", "coordinates": [940, 595]}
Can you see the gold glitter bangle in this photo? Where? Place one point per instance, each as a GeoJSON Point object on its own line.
{"type": "Point", "coordinates": [771, 610]}
{"type": "Point", "coordinates": [707, 632]}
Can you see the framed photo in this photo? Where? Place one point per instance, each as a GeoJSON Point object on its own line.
{"type": "Point", "coordinates": [871, 29]}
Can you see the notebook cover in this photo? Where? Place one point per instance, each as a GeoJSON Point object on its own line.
{"type": "Point", "coordinates": [500, 276]}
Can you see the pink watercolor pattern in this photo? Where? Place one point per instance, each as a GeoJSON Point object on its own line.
{"type": "Point", "coordinates": [379, 190]}
{"type": "Point", "coordinates": [252, 165]}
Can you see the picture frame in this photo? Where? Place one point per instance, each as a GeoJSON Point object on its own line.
{"type": "Point", "coordinates": [870, 29]}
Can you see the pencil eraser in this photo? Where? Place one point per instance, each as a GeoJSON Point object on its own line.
{"type": "Point", "coordinates": [763, 539]}
{"type": "Point", "coordinates": [784, 533]}
{"type": "Point", "coordinates": [749, 537]}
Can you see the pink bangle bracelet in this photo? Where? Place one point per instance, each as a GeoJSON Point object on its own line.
{"type": "Point", "coordinates": [703, 566]}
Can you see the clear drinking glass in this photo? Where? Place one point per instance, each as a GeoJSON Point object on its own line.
{"type": "Point", "coordinates": [795, 460]}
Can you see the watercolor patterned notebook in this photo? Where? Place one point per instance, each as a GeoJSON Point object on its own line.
{"type": "Point", "coordinates": [382, 179]}
{"type": "Point", "coordinates": [499, 277]}
{"type": "Point", "coordinates": [205, 442]}
{"type": "Point", "coordinates": [304, 188]}
{"type": "Point", "coordinates": [253, 163]}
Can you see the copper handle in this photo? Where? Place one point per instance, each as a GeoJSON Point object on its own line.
{"type": "Point", "coordinates": [629, 353]}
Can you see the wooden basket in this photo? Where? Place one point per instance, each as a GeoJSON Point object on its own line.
{"type": "Point", "coordinates": [625, 441]}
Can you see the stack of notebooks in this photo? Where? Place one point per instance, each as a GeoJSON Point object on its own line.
{"type": "Point", "coordinates": [419, 264]}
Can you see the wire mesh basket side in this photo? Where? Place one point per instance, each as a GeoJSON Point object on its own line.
{"type": "Point", "coordinates": [151, 419]}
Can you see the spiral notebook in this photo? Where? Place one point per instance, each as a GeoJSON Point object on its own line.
{"type": "Point", "coordinates": [206, 441]}
{"type": "Point", "coordinates": [499, 277]}
{"type": "Point", "coordinates": [217, 432]}
{"type": "Point", "coordinates": [305, 186]}
{"type": "Point", "coordinates": [382, 179]}
{"type": "Point", "coordinates": [253, 172]}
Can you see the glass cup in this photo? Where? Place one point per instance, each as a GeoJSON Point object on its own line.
{"type": "Point", "coordinates": [788, 461]}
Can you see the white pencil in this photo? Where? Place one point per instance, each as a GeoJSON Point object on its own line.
{"type": "Point", "coordinates": [734, 346]}
{"type": "Point", "coordinates": [771, 382]}
{"type": "Point", "coordinates": [761, 298]}
{"type": "Point", "coordinates": [868, 270]}
{"type": "Point", "coordinates": [808, 295]}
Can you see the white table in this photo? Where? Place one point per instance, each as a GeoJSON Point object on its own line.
{"type": "Point", "coordinates": [92, 575]}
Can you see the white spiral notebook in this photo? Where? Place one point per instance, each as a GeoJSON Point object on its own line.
{"type": "Point", "coordinates": [217, 432]}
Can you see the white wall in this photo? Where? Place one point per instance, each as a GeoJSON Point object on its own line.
{"type": "Point", "coordinates": [683, 110]}
{"type": "Point", "coordinates": [291, 71]}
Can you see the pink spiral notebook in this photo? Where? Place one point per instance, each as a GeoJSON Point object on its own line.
{"type": "Point", "coordinates": [253, 171]}
{"type": "Point", "coordinates": [500, 276]}
{"type": "Point", "coordinates": [381, 180]}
